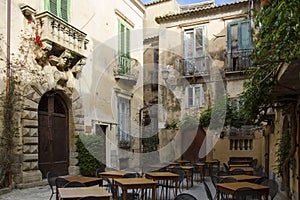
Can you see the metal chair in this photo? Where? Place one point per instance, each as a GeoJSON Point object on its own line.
{"type": "Point", "coordinates": [246, 193]}
{"type": "Point", "coordinates": [228, 180]}
{"type": "Point", "coordinates": [59, 183]}
{"type": "Point", "coordinates": [51, 182]}
{"type": "Point", "coordinates": [90, 198]}
{"type": "Point", "coordinates": [98, 170]}
{"type": "Point", "coordinates": [207, 190]}
{"type": "Point", "coordinates": [185, 196]}
{"type": "Point", "coordinates": [111, 189]}
{"type": "Point", "coordinates": [226, 168]}
{"type": "Point", "coordinates": [260, 180]}
{"type": "Point", "coordinates": [215, 179]}
{"type": "Point", "coordinates": [237, 171]}
{"type": "Point", "coordinates": [273, 187]}
{"type": "Point", "coordinates": [74, 184]}
{"type": "Point", "coordinates": [180, 172]}
{"type": "Point", "coordinates": [135, 193]}
{"type": "Point", "coordinates": [221, 173]}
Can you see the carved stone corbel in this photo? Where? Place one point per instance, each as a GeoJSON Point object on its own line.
{"type": "Point", "coordinates": [77, 69]}
{"type": "Point", "coordinates": [62, 62]}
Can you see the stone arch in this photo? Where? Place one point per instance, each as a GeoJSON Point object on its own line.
{"type": "Point", "coordinates": [29, 129]}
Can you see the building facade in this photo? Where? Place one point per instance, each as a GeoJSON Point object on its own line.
{"type": "Point", "coordinates": [76, 69]}
{"type": "Point", "coordinates": [202, 55]}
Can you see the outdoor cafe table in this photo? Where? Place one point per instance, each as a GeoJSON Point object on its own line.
{"type": "Point", "coordinates": [135, 183]}
{"type": "Point", "coordinates": [79, 192]}
{"type": "Point", "coordinates": [182, 162]}
{"type": "Point", "coordinates": [201, 167]}
{"type": "Point", "coordinates": [164, 176]}
{"type": "Point", "coordinates": [189, 173]}
{"type": "Point", "coordinates": [113, 174]}
{"type": "Point", "coordinates": [248, 170]}
{"type": "Point", "coordinates": [230, 188]}
{"type": "Point", "coordinates": [243, 177]}
{"type": "Point", "coordinates": [88, 181]}
{"type": "Point", "coordinates": [210, 164]}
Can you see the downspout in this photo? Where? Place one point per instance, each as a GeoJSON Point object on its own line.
{"type": "Point", "coordinates": [8, 78]}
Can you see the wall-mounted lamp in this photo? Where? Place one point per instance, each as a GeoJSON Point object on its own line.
{"type": "Point", "coordinates": [165, 74]}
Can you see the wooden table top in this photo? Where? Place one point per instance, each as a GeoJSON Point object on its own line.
{"type": "Point", "coordinates": [236, 185]}
{"type": "Point", "coordinates": [78, 192]}
{"type": "Point", "coordinates": [161, 174]}
{"type": "Point", "coordinates": [88, 181]}
{"type": "Point", "coordinates": [243, 177]}
{"type": "Point", "coordinates": [199, 164]}
{"type": "Point", "coordinates": [212, 161]}
{"type": "Point", "coordinates": [249, 169]}
{"type": "Point", "coordinates": [239, 165]}
{"type": "Point", "coordinates": [134, 181]}
{"type": "Point", "coordinates": [182, 161]}
{"type": "Point", "coordinates": [184, 167]}
{"type": "Point", "coordinates": [114, 172]}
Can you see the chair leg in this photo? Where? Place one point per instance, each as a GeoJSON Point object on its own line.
{"type": "Point", "coordinates": [51, 195]}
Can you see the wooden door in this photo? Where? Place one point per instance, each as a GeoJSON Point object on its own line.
{"type": "Point", "coordinates": [192, 140]}
{"type": "Point", "coordinates": [53, 136]}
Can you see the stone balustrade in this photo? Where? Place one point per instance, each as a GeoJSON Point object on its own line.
{"type": "Point", "coordinates": [58, 31]}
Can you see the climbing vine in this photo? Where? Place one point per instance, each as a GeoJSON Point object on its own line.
{"type": "Point", "coordinates": [277, 43]}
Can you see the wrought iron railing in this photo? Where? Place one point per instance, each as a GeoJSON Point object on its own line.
{"type": "Point", "coordinates": [195, 66]}
{"type": "Point", "coordinates": [125, 66]}
{"type": "Point", "coordinates": [238, 60]}
{"type": "Point", "coordinates": [241, 132]}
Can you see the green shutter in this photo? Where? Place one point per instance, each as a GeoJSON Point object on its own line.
{"type": "Point", "coordinates": [127, 53]}
{"type": "Point", "coordinates": [64, 9]}
{"type": "Point", "coordinates": [245, 41]}
{"type": "Point", "coordinates": [51, 6]}
{"type": "Point", "coordinates": [229, 37]}
{"type": "Point", "coordinates": [60, 8]}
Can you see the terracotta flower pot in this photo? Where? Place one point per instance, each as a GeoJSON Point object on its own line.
{"type": "Point", "coordinates": [263, 2]}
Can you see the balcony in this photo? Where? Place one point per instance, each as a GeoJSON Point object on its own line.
{"type": "Point", "coordinates": [59, 33]}
{"type": "Point", "coordinates": [193, 66]}
{"type": "Point", "coordinates": [243, 132]}
{"type": "Point", "coordinates": [238, 61]}
{"type": "Point", "coordinates": [126, 72]}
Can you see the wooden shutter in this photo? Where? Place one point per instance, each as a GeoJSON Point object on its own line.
{"type": "Point", "coordinates": [245, 41]}
{"type": "Point", "coordinates": [53, 6]}
{"type": "Point", "coordinates": [64, 10]}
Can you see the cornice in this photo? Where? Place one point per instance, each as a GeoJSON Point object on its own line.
{"type": "Point", "coordinates": [196, 12]}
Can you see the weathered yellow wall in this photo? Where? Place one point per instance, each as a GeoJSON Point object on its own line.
{"type": "Point", "coordinates": [222, 152]}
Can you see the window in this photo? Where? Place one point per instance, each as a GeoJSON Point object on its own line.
{"type": "Point", "coordinates": [195, 96]}
{"type": "Point", "coordinates": [60, 8]}
{"type": "Point", "coordinates": [124, 48]}
{"type": "Point", "coordinates": [239, 43]}
{"type": "Point", "coordinates": [124, 119]}
{"type": "Point", "coordinates": [194, 50]}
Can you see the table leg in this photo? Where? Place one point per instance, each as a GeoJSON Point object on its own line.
{"type": "Point", "coordinates": [176, 187]}
{"type": "Point", "coordinates": [192, 178]}
{"type": "Point", "coordinates": [202, 173]}
{"type": "Point", "coordinates": [153, 192]}
{"type": "Point", "coordinates": [124, 193]}
{"type": "Point", "coordinates": [187, 179]}
{"type": "Point", "coordinates": [218, 194]}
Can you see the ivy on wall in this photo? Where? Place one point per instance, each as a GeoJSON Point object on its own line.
{"type": "Point", "coordinates": [90, 154]}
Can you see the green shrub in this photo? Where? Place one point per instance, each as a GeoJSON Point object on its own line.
{"type": "Point", "coordinates": [90, 154]}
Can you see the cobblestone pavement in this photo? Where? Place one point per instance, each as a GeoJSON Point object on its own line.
{"type": "Point", "coordinates": [44, 192]}
{"type": "Point", "coordinates": [35, 193]}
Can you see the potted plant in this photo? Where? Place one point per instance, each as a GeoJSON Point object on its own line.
{"type": "Point", "coordinates": [124, 143]}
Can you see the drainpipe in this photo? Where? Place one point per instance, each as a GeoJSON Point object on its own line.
{"type": "Point", "coordinates": [8, 76]}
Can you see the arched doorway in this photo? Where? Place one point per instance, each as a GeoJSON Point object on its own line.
{"type": "Point", "coordinates": [53, 131]}
{"type": "Point", "coordinates": [192, 141]}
